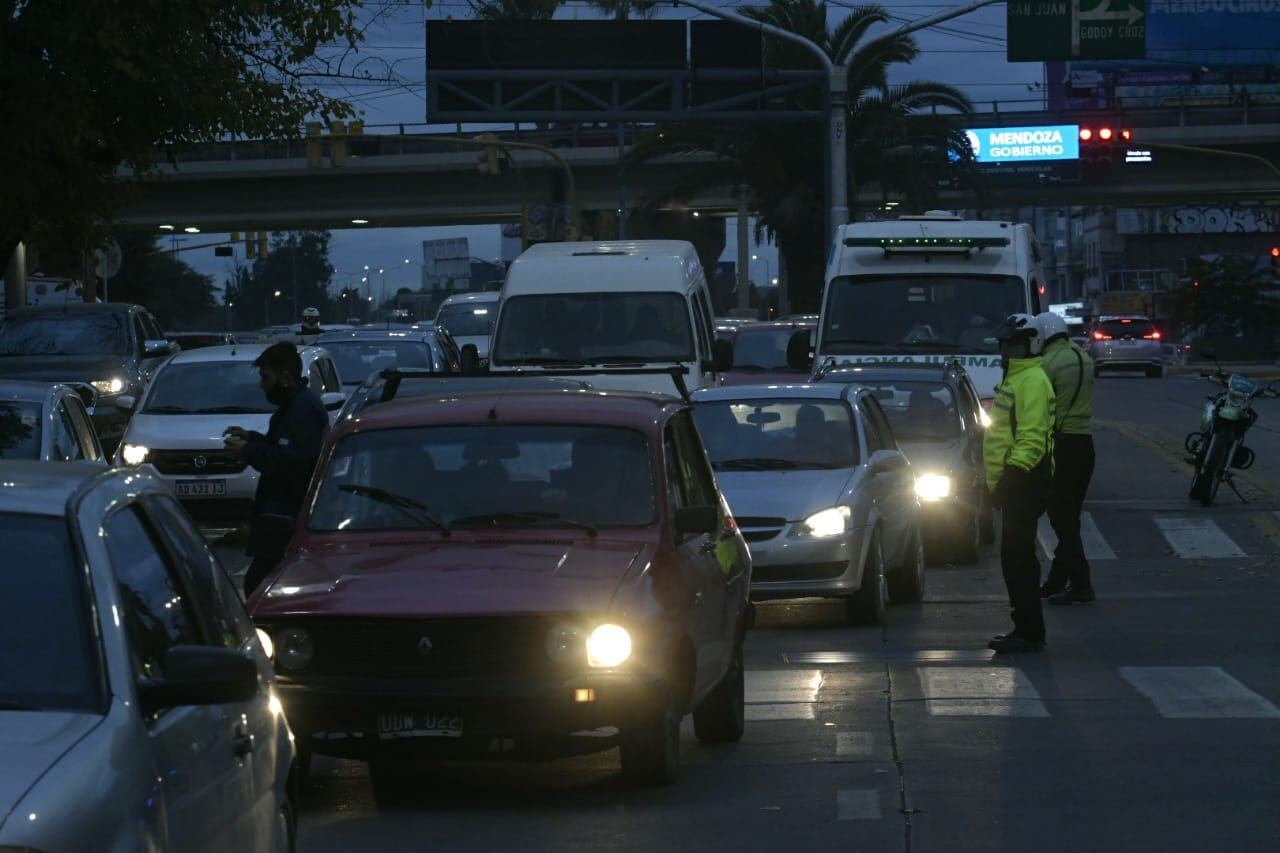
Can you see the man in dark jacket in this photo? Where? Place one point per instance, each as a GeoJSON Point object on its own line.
{"type": "Point", "coordinates": [285, 457]}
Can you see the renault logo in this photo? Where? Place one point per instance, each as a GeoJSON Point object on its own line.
{"type": "Point", "coordinates": [424, 646]}
{"type": "Point", "coordinates": [200, 461]}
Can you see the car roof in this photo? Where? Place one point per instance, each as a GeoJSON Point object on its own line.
{"type": "Point", "coordinates": [75, 308]}
{"type": "Point", "coordinates": [907, 370]}
{"type": "Point", "coordinates": [43, 488]}
{"type": "Point", "coordinates": [634, 248]}
{"type": "Point", "coordinates": [17, 389]}
{"type": "Point", "coordinates": [482, 296]}
{"type": "Point", "coordinates": [233, 352]}
{"type": "Point", "coordinates": [373, 335]}
{"type": "Point", "coordinates": [568, 406]}
{"type": "Point", "coordinates": [799, 391]}
{"type": "Point", "coordinates": [752, 328]}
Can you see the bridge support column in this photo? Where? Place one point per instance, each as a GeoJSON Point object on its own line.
{"type": "Point", "coordinates": [15, 279]}
{"type": "Point", "coordinates": [744, 250]}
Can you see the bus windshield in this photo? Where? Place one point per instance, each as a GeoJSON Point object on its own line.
{"type": "Point", "coordinates": [914, 313]}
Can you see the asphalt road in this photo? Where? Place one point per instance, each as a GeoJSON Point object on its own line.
{"type": "Point", "coordinates": [1151, 722]}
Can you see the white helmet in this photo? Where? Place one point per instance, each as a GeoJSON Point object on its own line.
{"type": "Point", "coordinates": [1021, 326]}
{"type": "Point", "coordinates": [1051, 326]}
{"type": "Point", "coordinates": [311, 313]}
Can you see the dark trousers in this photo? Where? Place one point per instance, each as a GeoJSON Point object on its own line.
{"type": "Point", "coordinates": [1073, 469]}
{"type": "Point", "coordinates": [258, 570]}
{"type": "Point", "coordinates": [1019, 517]}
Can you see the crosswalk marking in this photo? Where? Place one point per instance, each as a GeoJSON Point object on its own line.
{"type": "Point", "coordinates": [858, 805]}
{"type": "Point", "coordinates": [1095, 547]}
{"type": "Point", "coordinates": [972, 691]}
{"type": "Point", "coordinates": [778, 711]}
{"type": "Point", "coordinates": [854, 744]}
{"type": "Point", "coordinates": [1197, 693]}
{"type": "Point", "coordinates": [769, 686]}
{"type": "Point", "coordinates": [1197, 538]}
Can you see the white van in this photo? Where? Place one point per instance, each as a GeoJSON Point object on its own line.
{"type": "Point", "coordinates": [610, 309]}
{"type": "Point", "coordinates": [927, 288]}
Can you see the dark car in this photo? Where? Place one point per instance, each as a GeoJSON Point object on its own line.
{"type": "Point", "coordinates": [760, 353]}
{"type": "Point", "coordinates": [360, 353]}
{"type": "Point", "coordinates": [519, 573]}
{"type": "Point", "coordinates": [939, 422]}
{"type": "Point", "coordinates": [108, 349]}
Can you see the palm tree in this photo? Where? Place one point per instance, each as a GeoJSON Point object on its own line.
{"type": "Point", "coordinates": [895, 140]}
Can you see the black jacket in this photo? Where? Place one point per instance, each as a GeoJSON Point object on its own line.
{"type": "Point", "coordinates": [286, 458]}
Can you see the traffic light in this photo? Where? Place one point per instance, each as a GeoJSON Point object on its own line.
{"type": "Point", "coordinates": [1102, 149]}
{"type": "Point", "coordinates": [487, 157]}
{"type": "Point", "coordinates": [1275, 262]}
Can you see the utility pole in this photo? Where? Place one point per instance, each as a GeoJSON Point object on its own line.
{"type": "Point", "coordinates": [744, 269]}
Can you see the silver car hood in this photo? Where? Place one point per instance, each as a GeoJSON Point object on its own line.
{"type": "Point", "coordinates": [793, 495]}
{"type": "Point", "coordinates": [932, 457]}
{"type": "Point", "coordinates": [189, 432]}
{"type": "Point", "coordinates": [31, 742]}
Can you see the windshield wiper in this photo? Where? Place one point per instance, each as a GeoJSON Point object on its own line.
{"type": "Point", "coordinates": [866, 342]}
{"type": "Point", "coordinates": [530, 518]}
{"type": "Point", "coordinates": [231, 410]}
{"type": "Point", "coordinates": [412, 508]}
{"type": "Point", "coordinates": [947, 345]}
{"type": "Point", "coordinates": [758, 464]}
{"type": "Point", "coordinates": [166, 410]}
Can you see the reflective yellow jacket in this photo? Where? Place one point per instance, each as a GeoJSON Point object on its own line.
{"type": "Point", "coordinates": [1022, 419]}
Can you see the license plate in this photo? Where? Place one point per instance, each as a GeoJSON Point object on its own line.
{"type": "Point", "coordinates": [200, 488]}
{"type": "Point", "coordinates": [406, 724]}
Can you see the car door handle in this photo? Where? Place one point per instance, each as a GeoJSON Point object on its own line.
{"type": "Point", "coordinates": [243, 742]}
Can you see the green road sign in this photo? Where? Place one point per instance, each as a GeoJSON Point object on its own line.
{"type": "Point", "coordinates": [1042, 30]}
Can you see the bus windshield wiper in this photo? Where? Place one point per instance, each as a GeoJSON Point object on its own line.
{"type": "Point", "coordinates": [410, 507]}
{"type": "Point", "coordinates": [529, 518]}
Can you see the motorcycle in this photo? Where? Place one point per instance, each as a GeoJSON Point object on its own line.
{"type": "Point", "coordinates": [1218, 446]}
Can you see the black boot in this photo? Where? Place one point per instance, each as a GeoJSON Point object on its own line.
{"type": "Point", "coordinates": [1074, 595]}
{"type": "Point", "coordinates": [1015, 643]}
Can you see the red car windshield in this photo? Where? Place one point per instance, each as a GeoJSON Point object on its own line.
{"type": "Point", "coordinates": [477, 476]}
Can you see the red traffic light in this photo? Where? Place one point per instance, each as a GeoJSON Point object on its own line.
{"type": "Point", "coordinates": [1104, 133]}
{"type": "Point", "coordinates": [1275, 251]}
{"type": "Point", "coordinates": [1126, 135]}
{"type": "Point", "coordinates": [1085, 134]}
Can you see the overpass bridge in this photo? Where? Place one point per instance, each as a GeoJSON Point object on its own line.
{"type": "Point", "coordinates": [396, 180]}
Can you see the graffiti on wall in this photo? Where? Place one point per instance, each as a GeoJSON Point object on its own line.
{"type": "Point", "coordinates": [1197, 219]}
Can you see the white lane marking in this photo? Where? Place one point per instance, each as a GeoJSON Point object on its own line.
{"type": "Point", "coordinates": [858, 805]}
{"type": "Point", "coordinates": [1197, 538]}
{"type": "Point", "coordinates": [1197, 693]}
{"type": "Point", "coordinates": [784, 711]}
{"type": "Point", "coordinates": [782, 685]}
{"type": "Point", "coordinates": [1095, 547]}
{"type": "Point", "coordinates": [854, 744]}
{"type": "Point", "coordinates": [973, 691]}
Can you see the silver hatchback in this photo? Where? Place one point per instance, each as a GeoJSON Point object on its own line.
{"type": "Point", "coordinates": [137, 709]}
{"type": "Point", "coordinates": [824, 497]}
{"type": "Point", "coordinates": [1126, 342]}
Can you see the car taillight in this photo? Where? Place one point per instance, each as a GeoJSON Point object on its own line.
{"type": "Point", "coordinates": [1154, 336]}
{"type": "Point", "coordinates": [1101, 336]}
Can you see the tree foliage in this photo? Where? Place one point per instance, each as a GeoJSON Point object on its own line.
{"type": "Point", "coordinates": [894, 139]}
{"type": "Point", "coordinates": [178, 295]}
{"type": "Point", "coordinates": [298, 258]}
{"type": "Point", "coordinates": [514, 10]}
{"type": "Point", "coordinates": [87, 86]}
{"type": "Point", "coordinates": [1227, 294]}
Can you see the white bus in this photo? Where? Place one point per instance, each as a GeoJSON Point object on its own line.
{"type": "Point", "coordinates": [927, 288]}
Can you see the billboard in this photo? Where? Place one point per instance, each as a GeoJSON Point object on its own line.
{"type": "Point", "coordinates": [1025, 144]}
{"type": "Point", "coordinates": [1214, 32]}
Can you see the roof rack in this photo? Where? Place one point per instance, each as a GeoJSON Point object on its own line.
{"type": "Point", "coordinates": [393, 376]}
{"type": "Point", "coordinates": [926, 245]}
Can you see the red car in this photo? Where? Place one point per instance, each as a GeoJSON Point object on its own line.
{"type": "Point", "coordinates": [761, 353]}
{"type": "Point", "coordinates": [525, 573]}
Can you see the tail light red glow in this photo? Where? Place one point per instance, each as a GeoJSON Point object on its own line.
{"type": "Point", "coordinates": [1086, 134]}
{"type": "Point", "coordinates": [1126, 135]}
{"type": "Point", "coordinates": [1154, 336]}
{"type": "Point", "coordinates": [1101, 336]}
{"type": "Point", "coordinates": [1104, 133]}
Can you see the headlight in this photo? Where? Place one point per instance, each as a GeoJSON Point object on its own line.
{"type": "Point", "coordinates": [828, 522]}
{"type": "Point", "coordinates": [984, 418]}
{"type": "Point", "coordinates": [268, 647]}
{"type": "Point", "coordinates": [134, 454]}
{"type": "Point", "coordinates": [114, 385]}
{"type": "Point", "coordinates": [294, 648]}
{"type": "Point", "coordinates": [608, 646]}
{"type": "Point", "coordinates": [933, 487]}
{"type": "Point", "coordinates": [564, 643]}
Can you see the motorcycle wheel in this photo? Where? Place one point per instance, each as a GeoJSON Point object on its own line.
{"type": "Point", "coordinates": [1215, 467]}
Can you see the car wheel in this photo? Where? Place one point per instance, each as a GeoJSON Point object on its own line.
{"type": "Point", "coordinates": [286, 832]}
{"type": "Point", "coordinates": [906, 582]}
{"type": "Point", "coordinates": [1155, 372]}
{"type": "Point", "coordinates": [866, 606]}
{"type": "Point", "coordinates": [721, 717]}
{"type": "Point", "coordinates": [969, 539]}
{"type": "Point", "coordinates": [650, 746]}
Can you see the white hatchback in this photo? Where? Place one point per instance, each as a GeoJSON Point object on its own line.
{"type": "Point", "coordinates": [176, 432]}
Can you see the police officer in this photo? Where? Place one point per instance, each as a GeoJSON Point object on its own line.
{"type": "Point", "coordinates": [310, 324]}
{"type": "Point", "coordinates": [1071, 371]}
{"type": "Point", "coordinates": [1018, 449]}
{"type": "Point", "coordinates": [285, 457]}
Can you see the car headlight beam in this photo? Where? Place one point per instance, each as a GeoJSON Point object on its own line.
{"type": "Point", "coordinates": [134, 454]}
{"type": "Point", "coordinates": [608, 646]}
{"type": "Point", "coordinates": [826, 523]}
{"type": "Point", "coordinates": [933, 487]}
{"type": "Point", "coordinates": [114, 385]}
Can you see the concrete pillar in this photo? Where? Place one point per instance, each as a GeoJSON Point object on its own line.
{"type": "Point", "coordinates": [744, 251]}
{"type": "Point", "coordinates": [15, 279]}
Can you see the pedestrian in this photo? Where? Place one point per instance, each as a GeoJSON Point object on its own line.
{"type": "Point", "coordinates": [1070, 370]}
{"type": "Point", "coordinates": [285, 457]}
{"type": "Point", "coordinates": [1018, 450]}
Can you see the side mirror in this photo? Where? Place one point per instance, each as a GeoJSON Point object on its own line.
{"type": "Point", "coordinates": [721, 356]}
{"type": "Point", "coordinates": [333, 400]}
{"type": "Point", "coordinates": [693, 520]}
{"type": "Point", "coordinates": [885, 461]}
{"type": "Point", "coordinates": [126, 402]}
{"type": "Point", "coordinates": [200, 675]}
{"type": "Point", "coordinates": [799, 353]}
{"type": "Point", "coordinates": [470, 359]}
{"type": "Point", "coordinates": [156, 348]}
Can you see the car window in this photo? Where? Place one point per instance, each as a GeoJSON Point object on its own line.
{"type": "Point", "coordinates": [330, 374]}
{"type": "Point", "coordinates": [550, 328]}
{"type": "Point", "coordinates": [874, 442]}
{"type": "Point", "coordinates": [154, 333]}
{"type": "Point", "coordinates": [20, 425]}
{"type": "Point", "coordinates": [708, 324]}
{"type": "Point", "coordinates": [697, 484]}
{"type": "Point", "coordinates": [676, 486]}
{"type": "Point", "coordinates": [88, 438]}
{"type": "Point", "coordinates": [702, 329]}
{"type": "Point", "coordinates": [156, 612]}
{"type": "Point", "coordinates": [765, 434]}
{"type": "Point", "coordinates": [206, 387]}
{"type": "Point", "coordinates": [884, 431]}
{"type": "Point", "coordinates": [917, 410]}
{"type": "Point", "coordinates": [314, 378]}
{"type": "Point", "coordinates": [139, 332]}
{"type": "Point", "coordinates": [66, 443]}
{"type": "Point", "coordinates": [58, 333]}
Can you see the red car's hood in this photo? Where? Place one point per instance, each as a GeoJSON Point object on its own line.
{"type": "Point", "coordinates": [479, 575]}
